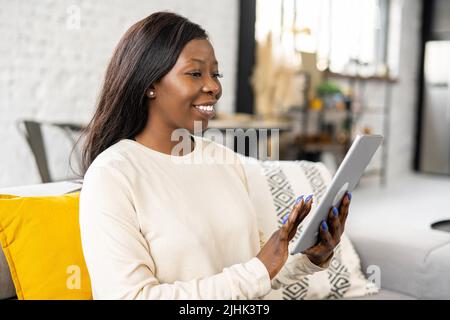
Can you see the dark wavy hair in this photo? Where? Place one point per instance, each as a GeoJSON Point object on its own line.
{"type": "Point", "coordinates": [146, 52]}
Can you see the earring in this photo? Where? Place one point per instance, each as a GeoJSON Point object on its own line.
{"type": "Point", "coordinates": [151, 93]}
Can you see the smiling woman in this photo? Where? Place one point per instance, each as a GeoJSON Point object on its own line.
{"type": "Point", "coordinates": [155, 228]}
{"type": "Point", "coordinates": [161, 68]}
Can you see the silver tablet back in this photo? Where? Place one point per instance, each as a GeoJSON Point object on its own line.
{"type": "Point", "coordinates": [346, 178]}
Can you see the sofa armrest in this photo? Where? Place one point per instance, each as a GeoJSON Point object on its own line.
{"type": "Point", "coordinates": [44, 189]}
{"type": "Point", "coordinates": [402, 257]}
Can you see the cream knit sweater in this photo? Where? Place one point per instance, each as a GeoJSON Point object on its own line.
{"type": "Point", "coordinates": [156, 226]}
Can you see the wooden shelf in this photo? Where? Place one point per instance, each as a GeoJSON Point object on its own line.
{"type": "Point", "coordinates": [358, 77]}
{"type": "Point", "coordinates": [370, 110]}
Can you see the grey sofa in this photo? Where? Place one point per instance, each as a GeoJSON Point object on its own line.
{"type": "Point", "coordinates": [413, 259]}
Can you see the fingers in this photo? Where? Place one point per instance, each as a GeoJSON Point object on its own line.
{"type": "Point", "coordinates": [338, 217]}
{"type": "Point", "coordinates": [301, 209]}
{"type": "Point", "coordinates": [303, 212]}
{"type": "Point", "coordinates": [289, 219]}
{"type": "Point", "coordinates": [325, 236]}
{"type": "Point", "coordinates": [343, 210]}
{"type": "Point", "coordinates": [325, 243]}
{"type": "Point", "coordinates": [298, 211]}
{"type": "Point", "coordinates": [306, 208]}
{"type": "Point", "coordinates": [298, 206]}
{"type": "Point", "coordinates": [334, 222]}
{"type": "Point", "coordinates": [330, 233]}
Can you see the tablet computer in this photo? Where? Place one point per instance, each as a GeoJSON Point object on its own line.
{"type": "Point", "coordinates": [346, 178]}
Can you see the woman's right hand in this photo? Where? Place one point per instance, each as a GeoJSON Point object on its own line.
{"type": "Point", "coordinates": [275, 252]}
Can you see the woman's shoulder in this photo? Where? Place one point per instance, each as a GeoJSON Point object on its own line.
{"type": "Point", "coordinates": [114, 158]}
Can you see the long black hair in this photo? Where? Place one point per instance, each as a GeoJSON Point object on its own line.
{"type": "Point", "coordinates": [146, 52]}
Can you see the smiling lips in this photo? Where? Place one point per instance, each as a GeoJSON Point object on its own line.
{"type": "Point", "coordinates": [207, 111]}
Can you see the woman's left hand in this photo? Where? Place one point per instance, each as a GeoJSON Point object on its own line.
{"type": "Point", "coordinates": [329, 233]}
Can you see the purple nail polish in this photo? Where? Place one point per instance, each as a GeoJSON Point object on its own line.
{"type": "Point", "coordinates": [308, 198]}
{"type": "Point", "coordinates": [299, 199]}
{"type": "Point", "coordinates": [349, 194]}
{"type": "Point", "coordinates": [335, 212]}
{"type": "Point", "coordinates": [285, 218]}
{"type": "Point", "coordinates": [324, 226]}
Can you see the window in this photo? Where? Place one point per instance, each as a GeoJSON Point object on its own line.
{"type": "Point", "coordinates": [348, 36]}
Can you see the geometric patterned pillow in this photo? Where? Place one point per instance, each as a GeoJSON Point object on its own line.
{"type": "Point", "coordinates": [343, 278]}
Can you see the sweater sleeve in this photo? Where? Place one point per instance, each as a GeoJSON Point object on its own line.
{"type": "Point", "coordinates": [296, 267]}
{"type": "Point", "coordinates": [119, 260]}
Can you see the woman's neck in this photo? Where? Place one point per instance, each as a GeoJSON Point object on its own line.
{"type": "Point", "coordinates": [159, 139]}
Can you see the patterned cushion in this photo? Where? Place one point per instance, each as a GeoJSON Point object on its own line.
{"type": "Point", "coordinates": [284, 181]}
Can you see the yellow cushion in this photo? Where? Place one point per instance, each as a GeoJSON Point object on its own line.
{"type": "Point", "coordinates": [40, 237]}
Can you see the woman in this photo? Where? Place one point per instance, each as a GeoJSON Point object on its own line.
{"type": "Point", "coordinates": [155, 228]}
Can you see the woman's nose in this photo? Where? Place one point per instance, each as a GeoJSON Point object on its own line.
{"type": "Point", "coordinates": [211, 86]}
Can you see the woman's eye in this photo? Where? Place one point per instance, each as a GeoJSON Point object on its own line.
{"type": "Point", "coordinates": [199, 74]}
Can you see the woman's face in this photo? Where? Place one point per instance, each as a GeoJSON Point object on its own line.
{"type": "Point", "coordinates": [190, 90]}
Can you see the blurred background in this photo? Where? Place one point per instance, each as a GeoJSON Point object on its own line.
{"type": "Point", "coordinates": [318, 71]}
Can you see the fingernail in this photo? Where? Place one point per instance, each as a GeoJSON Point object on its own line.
{"type": "Point", "coordinates": [335, 212]}
{"type": "Point", "coordinates": [299, 199]}
{"type": "Point", "coordinates": [349, 194]}
{"type": "Point", "coordinates": [324, 226]}
{"type": "Point", "coordinates": [308, 198]}
{"type": "Point", "coordinates": [286, 217]}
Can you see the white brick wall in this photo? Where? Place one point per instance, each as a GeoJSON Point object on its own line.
{"type": "Point", "coordinates": [49, 71]}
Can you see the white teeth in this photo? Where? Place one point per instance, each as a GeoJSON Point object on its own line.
{"type": "Point", "coordinates": [205, 108]}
